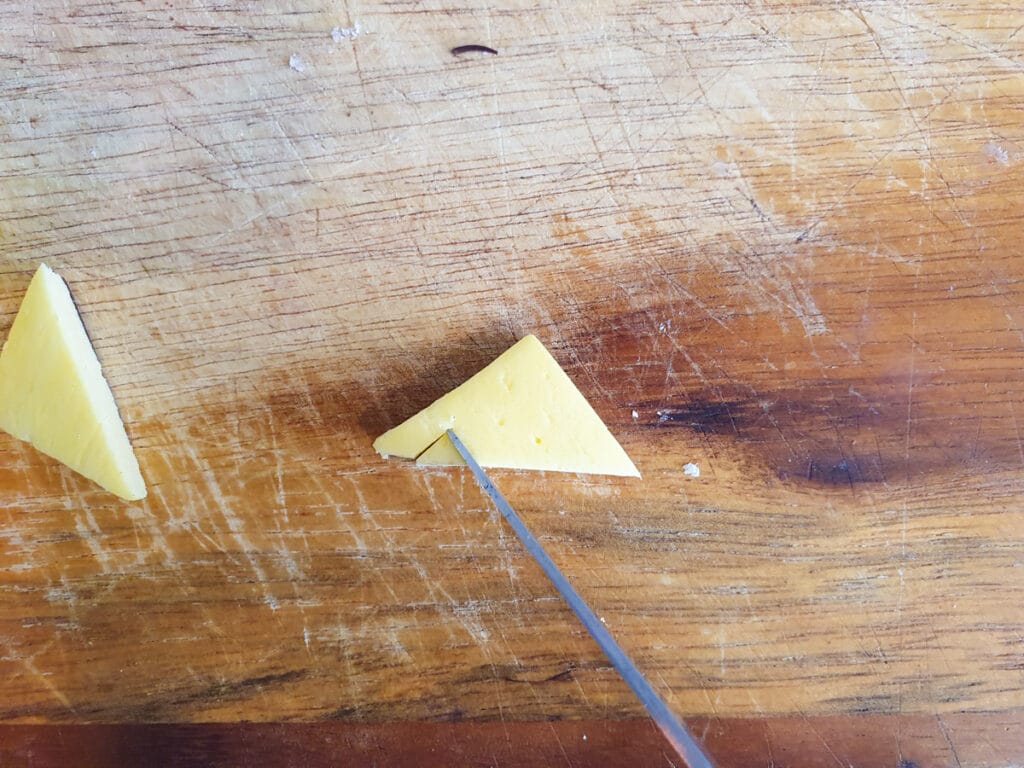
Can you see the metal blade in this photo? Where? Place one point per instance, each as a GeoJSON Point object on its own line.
{"type": "Point", "coordinates": [670, 726]}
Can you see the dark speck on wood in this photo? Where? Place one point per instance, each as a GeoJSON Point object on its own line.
{"type": "Point", "coordinates": [458, 50]}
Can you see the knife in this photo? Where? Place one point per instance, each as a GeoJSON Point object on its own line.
{"type": "Point", "coordinates": [673, 729]}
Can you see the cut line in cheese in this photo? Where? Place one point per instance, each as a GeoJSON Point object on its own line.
{"type": "Point", "coordinates": [520, 412]}
{"type": "Point", "coordinates": [53, 394]}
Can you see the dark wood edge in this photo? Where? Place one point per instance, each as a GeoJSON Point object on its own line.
{"type": "Point", "coordinates": [862, 741]}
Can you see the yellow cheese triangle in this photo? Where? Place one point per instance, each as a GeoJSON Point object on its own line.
{"type": "Point", "coordinates": [520, 412]}
{"type": "Point", "coordinates": [53, 394]}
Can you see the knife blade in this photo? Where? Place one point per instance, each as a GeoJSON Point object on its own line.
{"type": "Point", "coordinates": [673, 729]}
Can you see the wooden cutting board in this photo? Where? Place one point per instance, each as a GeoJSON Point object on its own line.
{"type": "Point", "coordinates": [778, 241]}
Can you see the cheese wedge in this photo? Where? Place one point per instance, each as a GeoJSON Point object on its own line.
{"type": "Point", "coordinates": [53, 394]}
{"type": "Point", "coordinates": [520, 412]}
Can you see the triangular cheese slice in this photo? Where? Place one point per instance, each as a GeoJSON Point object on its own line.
{"type": "Point", "coordinates": [520, 412]}
{"type": "Point", "coordinates": [53, 394]}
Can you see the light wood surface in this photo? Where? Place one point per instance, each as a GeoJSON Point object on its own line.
{"type": "Point", "coordinates": [777, 240]}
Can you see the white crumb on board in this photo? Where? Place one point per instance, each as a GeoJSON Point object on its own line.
{"type": "Point", "coordinates": [584, 737]}
{"type": "Point", "coordinates": [635, 415]}
{"type": "Point", "coordinates": [691, 470]}
{"type": "Point", "coordinates": [996, 153]}
{"type": "Point", "coordinates": [722, 170]}
{"type": "Point", "coordinates": [345, 33]}
{"type": "Point", "coordinates": [295, 62]}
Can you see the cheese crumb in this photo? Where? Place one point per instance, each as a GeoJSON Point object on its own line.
{"type": "Point", "coordinates": [996, 153]}
{"type": "Point", "coordinates": [691, 470]}
{"type": "Point", "coordinates": [295, 62]}
{"type": "Point", "coordinates": [345, 33]}
{"type": "Point", "coordinates": [635, 415]}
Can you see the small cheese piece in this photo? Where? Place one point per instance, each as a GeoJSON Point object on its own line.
{"type": "Point", "coordinates": [520, 412]}
{"type": "Point", "coordinates": [53, 394]}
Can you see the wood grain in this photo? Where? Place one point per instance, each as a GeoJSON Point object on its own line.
{"type": "Point", "coordinates": [779, 240]}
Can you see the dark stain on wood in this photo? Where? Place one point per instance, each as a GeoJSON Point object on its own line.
{"type": "Point", "coordinates": [703, 416]}
{"type": "Point", "coordinates": [813, 438]}
{"type": "Point", "coordinates": [421, 376]}
{"type": "Point", "coordinates": [263, 681]}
